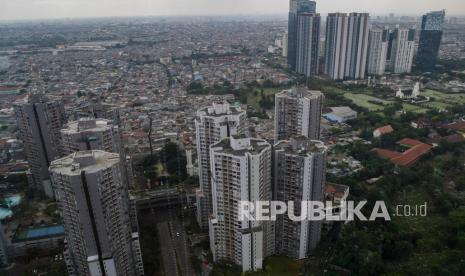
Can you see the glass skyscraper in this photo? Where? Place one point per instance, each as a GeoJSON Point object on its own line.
{"type": "Point", "coordinates": [296, 7]}
{"type": "Point", "coordinates": [430, 40]}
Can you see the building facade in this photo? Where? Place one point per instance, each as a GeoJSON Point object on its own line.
{"type": "Point", "coordinates": [213, 124]}
{"type": "Point", "coordinates": [298, 112]}
{"type": "Point", "coordinates": [241, 171]}
{"type": "Point", "coordinates": [39, 123]}
{"type": "Point", "coordinates": [299, 175]}
{"type": "Point", "coordinates": [308, 43]}
{"type": "Point", "coordinates": [285, 44]}
{"type": "Point", "coordinates": [346, 45]}
{"type": "Point", "coordinates": [378, 41]}
{"type": "Point", "coordinates": [430, 40]}
{"type": "Point", "coordinates": [3, 248]}
{"type": "Point", "coordinates": [357, 45]}
{"type": "Point", "coordinates": [295, 8]}
{"type": "Point", "coordinates": [402, 50]}
{"type": "Point", "coordinates": [336, 45]}
{"type": "Point", "coordinates": [93, 204]}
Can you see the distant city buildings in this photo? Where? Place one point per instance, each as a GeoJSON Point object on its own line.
{"type": "Point", "coordinates": [298, 112]}
{"type": "Point", "coordinates": [346, 45]}
{"type": "Point", "coordinates": [378, 42]}
{"type": "Point", "coordinates": [296, 8]}
{"type": "Point", "coordinates": [93, 204]}
{"type": "Point", "coordinates": [299, 175]}
{"type": "Point", "coordinates": [430, 40]}
{"type": "Point", "coordinates": [213, 124]}
{"type": "Point", "coordinates": [39, 123]}
{"type": "Point", "coordinates": [241, 171]}
{"type": "Point", "coordinates": [402, 50]}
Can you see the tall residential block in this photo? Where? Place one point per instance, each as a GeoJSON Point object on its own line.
{"type": "Point", "coordinates": [346, 45]}
{"type": "Point", "coordinates": [402, 50]}
{"type": "Point", "coordinates": [308, 43]}
{"type": "Point", "coordinates": [39, 122]}
{"type": "Point", "coordinates": [213, 124]}
{"type": "Point", "coordinates": [90, 134]}
{"type": "Point", "coordinates": [298, 112]}
{"type": "Point", "coordinates": [378, 42]}
{"type": "Point", "coordinates": [241, 171]}
{"type": "Point", "coordinates": [299, 175]}
{"type": "Point", "coordinates": [336, 45]}
{"type": "Point", "coordinates": [295, 8]}
{"type": "Point", "coordinates": [430, 40]}
{"type": "Point", "coordinates": [93, 204]}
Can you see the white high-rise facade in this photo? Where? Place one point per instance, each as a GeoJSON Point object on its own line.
{"type": "Point", "coordinates": [336, 45]}
{"type": "Point", "coordinates": [39, 122]}
{"type": "Point", "coordinates": [346, 45]}
{"type": "Point", "coordinates": [285, 43]}
{"type": "Point", "coordinates": [299, 175]}
{"type": "Point", "coordinates": [90, 134]}
{"type": "Point", "coordinates": [298, 112]}
{"type": "Point", "coordinates": [377, 51]}
{"type": "Point", "coordinates": [213, 124]}
{"type": "Point", "coordinates": [93, 203]}
{"type": "Point", "coordinates": [241, 171]}
{"type": "Point", "coordinates": [402, 50]}
{"type": "Point", "coordinates": [308, 43]}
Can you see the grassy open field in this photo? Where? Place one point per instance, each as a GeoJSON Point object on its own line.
{"type": "Point", "coordinates": [280, 266]}
{"type": "Point", "coordinates": [367, 101]}
{"type": "Point", "coordinates": [414, 108]}
{"type": "Point", "coordinates": [446, 98]}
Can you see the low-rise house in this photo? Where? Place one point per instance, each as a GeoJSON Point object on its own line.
{"type": "Point", "coordinates": [382, 131]}
{"type": "Point", "coordinates": [415, 151]}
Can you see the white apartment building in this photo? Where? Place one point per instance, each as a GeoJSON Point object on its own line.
{"type": "Point", "coordinates": [299, 175]}
{"type": "Point", "coordinates": [241, 171]}
{"type": "Point", "coordinates": [377, 51]}
{"type": "Point", "coordinates": [298, 112]}
{"type": "Point", "coordinates": [213, 124]}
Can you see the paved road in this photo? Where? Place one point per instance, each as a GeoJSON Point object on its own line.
{"type": "Point", "coordinates": [181, 247]}
{"type": "Point", "coordinates": [173, 243]}
{"type": "Point", "coordinates": [167, 249]}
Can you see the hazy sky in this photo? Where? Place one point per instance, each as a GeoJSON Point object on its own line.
{"type": "Point", "coordinates": [40, 9]}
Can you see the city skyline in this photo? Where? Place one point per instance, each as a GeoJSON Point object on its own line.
{"type": "Point", "coordinates": [53, 9]}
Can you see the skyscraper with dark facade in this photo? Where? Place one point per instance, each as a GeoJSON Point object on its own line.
{"type": "Point", "coordinates": [296, 7]}
{"type": "Point", "coordinates": [39, 122]}
{"type": "Point", "coordinates": [430, 40]}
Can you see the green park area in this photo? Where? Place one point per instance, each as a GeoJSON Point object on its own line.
{"type": "Point", "coordinates": [366, 99]}
{"type": "Point", "coordinates": [369, 102]}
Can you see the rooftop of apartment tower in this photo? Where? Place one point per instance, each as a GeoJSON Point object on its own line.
{"type": "Point", "coordinates": [89, 161]}
{"type": "Point", "coordinates": [301, 145]}
{"type": "Point", "coordinates": [240, 144]}
{"type": "Point", "coordinates": [86, 124]}
{"type": "Point", "coordinates": [220, 109]}
{"type": "Point", "coordinates": [300, 92]}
